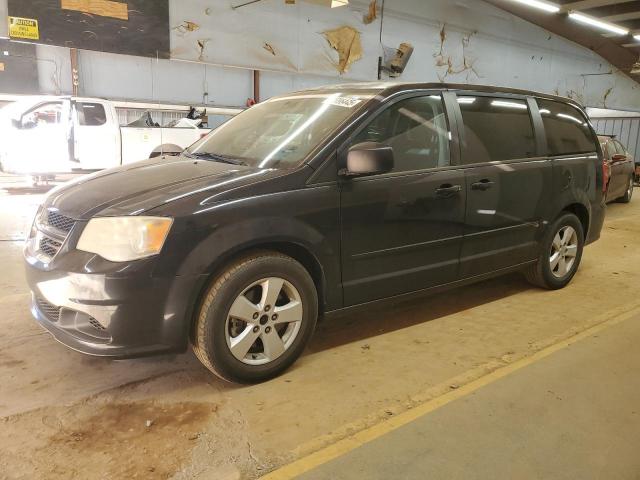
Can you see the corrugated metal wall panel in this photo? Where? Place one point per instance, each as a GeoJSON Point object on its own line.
{"type": "Point", "coordinates": [627, 130]}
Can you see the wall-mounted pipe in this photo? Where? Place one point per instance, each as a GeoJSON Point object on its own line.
{"type": "Point", "coordinates": [75, 72]}
{"type": "Point", "coordinates": [256, 86]}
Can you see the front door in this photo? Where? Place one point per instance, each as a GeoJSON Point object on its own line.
{"type": "Point", "coordinates": [402, 231]}
{"type": "Point", "coordinates": [43, 141]}
{"type": "Point", "coordinates": [508, 187]}
{"type": "Point", "coordinates": [96, 137]}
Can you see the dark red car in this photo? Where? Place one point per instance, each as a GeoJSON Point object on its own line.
{"type": "Point", "coordinates": [621, 169]}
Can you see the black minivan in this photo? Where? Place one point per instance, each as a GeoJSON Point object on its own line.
{"type": "Point", "coordinates": [311, 203]}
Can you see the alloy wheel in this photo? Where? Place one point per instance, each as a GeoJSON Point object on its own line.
{"type": "Point", "coordinates": [564, 249]}
{"type": "Point", "coordinates": [264, 321]}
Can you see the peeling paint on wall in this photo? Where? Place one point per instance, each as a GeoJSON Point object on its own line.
{"type": "Point", "coordinates": [608, 92]}
{"type": "Point", "coordinates": [372, 13]}
{"type": "Point", "coordinates": [269, 48]}
{"type": "Point", "coordinates": [345, 41]}
{"type": "Point", "coordinates": [202, 45]}
{"type": "Point", "coordinates": [453, 66]}
{"type": "Point", "coordinates": [186, 27]}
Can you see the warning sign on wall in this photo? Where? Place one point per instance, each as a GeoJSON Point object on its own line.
{"type": "Point", "coordinates": [26, 28]}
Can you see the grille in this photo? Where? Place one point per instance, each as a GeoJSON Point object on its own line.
{"type": "Point", "coordinates": [50, 311]}
{"type": "Point", "coordinates": [96, 324]}
{"type": "Point", "coordinates": [60, 222]}
{"type": "Point", "coordinates": [49, 246]}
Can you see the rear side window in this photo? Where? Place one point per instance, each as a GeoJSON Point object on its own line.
{"type": "Point", "coordinates": [417, 130]}
{"type": "Point", "coordinates": [496, 129]}
{"type": "Point", "coordinates": [611, 150]}
{"type": "Point", "coordinates": [566, 129]}
{"type": "Point", "coordinates": [91, 114]}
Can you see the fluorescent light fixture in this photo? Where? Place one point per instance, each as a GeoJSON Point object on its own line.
{"type": "Point", "coordinates": [502, 103]}
{"type": "Point", "coordinates": [594, 22]}
{"type": "Point", "coordinates": [541, 5]}
{"type": "Point", "coordinates": [466, 99]}
{"type": "Point", "coordinates": [637, 37]}
{"type": "Point", "coordinates": [330, 3]}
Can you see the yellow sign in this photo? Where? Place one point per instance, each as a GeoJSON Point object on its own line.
{"type": "Point", "coordinates": [23, 28]}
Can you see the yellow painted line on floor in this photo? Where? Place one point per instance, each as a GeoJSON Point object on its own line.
{"type": "Point", "coordinates": [352, 442]}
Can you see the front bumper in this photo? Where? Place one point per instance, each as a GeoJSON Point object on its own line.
{"type": "Point", "coordinates": [111, 310]}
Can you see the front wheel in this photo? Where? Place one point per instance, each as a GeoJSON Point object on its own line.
{"type": "Point", "coordinates": [256, 318]}
{"type": "Point", "coordinates": [560, 256]}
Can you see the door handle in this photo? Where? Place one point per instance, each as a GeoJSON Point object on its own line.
{"type": "Point", "coordinates": [448, 190]}
{"type": "Point", "coordinates": [484, 184]}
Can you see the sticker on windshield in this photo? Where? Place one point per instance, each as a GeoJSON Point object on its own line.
{"type": "Point", "coordinates": [348, 102]}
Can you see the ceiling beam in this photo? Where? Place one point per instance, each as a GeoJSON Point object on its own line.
{"type": "Point", "coordinates": [587, 4]}
{"type": "Point", "coordinates": [621, 17]}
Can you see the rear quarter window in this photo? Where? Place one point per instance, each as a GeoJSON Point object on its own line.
{"type": "Point", "coordinates": [91, 114]}
{"type": "Point", "coordinates": [566, 128]}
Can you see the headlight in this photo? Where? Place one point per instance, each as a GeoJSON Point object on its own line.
{"type": "Point", "coordinates": [121, 239]}
{"type": "Point", "coordinates": [33, 231]}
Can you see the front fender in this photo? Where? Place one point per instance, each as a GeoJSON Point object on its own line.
{"type": "Point", "coordinates": [210, 236]}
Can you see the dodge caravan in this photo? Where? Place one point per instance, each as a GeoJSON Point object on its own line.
{"type": "Point", "coordinates": [308, 204]}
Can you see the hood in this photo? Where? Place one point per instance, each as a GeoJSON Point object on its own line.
{"type": "Point", "coordinates": [138, 187]}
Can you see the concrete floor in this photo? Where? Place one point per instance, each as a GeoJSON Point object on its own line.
{"type": "Point", "coordinates": [64, 415]}
{"type": "Point", "coordinates": [572, 415]}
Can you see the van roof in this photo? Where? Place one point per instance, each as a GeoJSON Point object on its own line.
{"type": "Point", "coordinates": [389, 88]}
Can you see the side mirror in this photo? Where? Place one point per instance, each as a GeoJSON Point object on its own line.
{"type": "Point", "coordinates": [368, 158]}
{"type": "Point", "coordinates": [618, 157]}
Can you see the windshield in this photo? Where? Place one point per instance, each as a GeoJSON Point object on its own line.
{"type": "Point", "coordinates": [279, 133]}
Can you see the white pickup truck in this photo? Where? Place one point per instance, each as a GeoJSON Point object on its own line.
{"type": "Point", "coordinates": [43, 136]}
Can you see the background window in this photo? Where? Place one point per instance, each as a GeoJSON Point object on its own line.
{"type": "Point", "coordinates": [619, 148]}
{"type": "Point", "coordinates": [47, 114]}
{"type": "Point", "coordinates": [91, 114]}
{"type": "Point", "coordinates": [417, 130]}
{"type": "Point", "coordinates": [566, 129]}
{"type": "Point", "coordinates": [496, 129]}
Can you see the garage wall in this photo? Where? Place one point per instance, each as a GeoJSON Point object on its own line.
{"type": "Point", "coordinates": [462, 41]}
{"type": "Point", "coordinates": [19, 72]}
{"type": "Point", "coordinates": [3, 23]}
{"type": "Point", "coordinates": [626, 129]}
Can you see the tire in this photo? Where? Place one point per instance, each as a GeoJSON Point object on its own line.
{"type": "Point", "coordinates": [544, 273]}
{"type": "Point", "coordinates": [245, 289]}
{"type": "Point", "coordinates": [629, 193]}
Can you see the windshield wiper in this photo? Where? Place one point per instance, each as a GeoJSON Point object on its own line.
{"type": "Point", "coordinates": [215, 157]}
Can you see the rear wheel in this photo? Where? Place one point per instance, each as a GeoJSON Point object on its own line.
{"type": "Point", "coordinates": [629, 193]}
{"type": "Point", "coordinates": [256, 318]}
{"type": "Point", "coordinates": [560, 255]}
